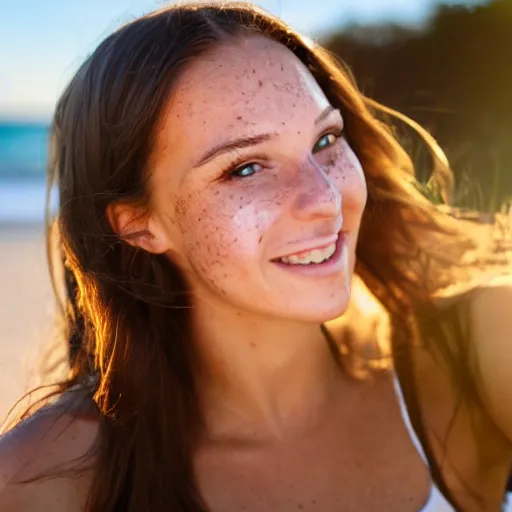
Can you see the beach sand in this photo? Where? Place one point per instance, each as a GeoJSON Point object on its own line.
{"type": "Point", "coordinates": [26, 308]}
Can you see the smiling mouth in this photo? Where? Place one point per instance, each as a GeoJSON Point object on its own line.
{"type": "Point", "coordinates": [319, 262]}
{"type": "Point", "coordinates": [314, 256]}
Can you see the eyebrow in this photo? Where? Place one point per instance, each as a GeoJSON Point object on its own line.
{"type": "Point", "coordinates": [245, 142]}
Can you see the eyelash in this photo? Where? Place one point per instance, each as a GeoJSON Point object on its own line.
{"type": "Point", "coordinates": [234, 167]}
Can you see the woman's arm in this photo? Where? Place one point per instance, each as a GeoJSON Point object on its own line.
{"type": "Point", "coordinates": [492, 326]}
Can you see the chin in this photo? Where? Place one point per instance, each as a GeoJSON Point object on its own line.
{"type": "Point", "coordinates": [323, 310]}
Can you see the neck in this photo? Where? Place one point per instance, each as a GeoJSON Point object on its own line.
{"type": "Point", "coordinates": [261, 376]}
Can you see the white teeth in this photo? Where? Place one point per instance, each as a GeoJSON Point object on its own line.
{"type": "Point", "coordinates": [314, 256]}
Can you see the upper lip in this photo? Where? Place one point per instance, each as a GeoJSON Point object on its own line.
{"type": "Point", "coordinates": [312, 244]}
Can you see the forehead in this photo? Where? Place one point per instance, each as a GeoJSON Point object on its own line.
{"type": "Point", "coordinates": [241, 88]}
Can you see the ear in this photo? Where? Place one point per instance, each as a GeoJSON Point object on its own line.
{"type": "Point", "coordinates": [135, 226]}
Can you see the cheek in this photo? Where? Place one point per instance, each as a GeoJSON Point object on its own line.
{"type": "Point", "coordinates": [225, 226]}
{"type": "Point", "coordinates": [348, 175]}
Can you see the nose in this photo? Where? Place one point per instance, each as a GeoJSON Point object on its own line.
{"type": "Point", "coordinates": [317, 196]}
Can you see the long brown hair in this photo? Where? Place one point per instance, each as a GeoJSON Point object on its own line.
{"type": "Point", "coordinates": [126, 312]}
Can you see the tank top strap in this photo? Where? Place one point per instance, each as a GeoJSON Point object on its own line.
{"type": "Point", "coordinates": [436, 501]}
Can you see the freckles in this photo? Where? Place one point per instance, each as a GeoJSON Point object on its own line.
{"type": "Point", "coordinates": [349, 164]}
{"type": "Point", "coordinates": [202, 215]}
{"type": "Point", "coordinates": [184, 206]}
{"type": "Point", "coordinates": [180, 207]}
{"type": "Point", "coordinates": [330, 164]}
{"type": "Point", "coordinates": [244, 203]}
{"type": "Point", "coordinates": [343, 164]}
{"type": "Point", "coordinates": [281, 197]}
{"type": "Point", "coordinates": [283, 190]}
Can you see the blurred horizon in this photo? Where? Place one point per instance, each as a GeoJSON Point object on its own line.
{"type": "Point", "coordinates": [42, 45]}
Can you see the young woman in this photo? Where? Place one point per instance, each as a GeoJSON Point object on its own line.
{"type": "Point", "coordinates": [264, 313]}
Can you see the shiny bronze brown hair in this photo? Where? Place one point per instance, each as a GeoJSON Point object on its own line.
{"type": "Point", "coordinates": [126, 311]}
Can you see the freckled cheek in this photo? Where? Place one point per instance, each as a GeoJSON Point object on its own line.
{"type": "Point", "coordinates": [349, 178]}
{"type": "Point", "coordinates": [260, 205]}
{"type": "Point", "coordinates": [203, 230]}
{"type": "Point", "coordinates": [224, 228]}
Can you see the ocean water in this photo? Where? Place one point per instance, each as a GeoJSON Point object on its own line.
{"type": "Point", "coordinates": [23, 155]}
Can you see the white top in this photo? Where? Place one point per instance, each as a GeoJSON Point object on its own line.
{"type": "Point", "coordinates": [436, 501]}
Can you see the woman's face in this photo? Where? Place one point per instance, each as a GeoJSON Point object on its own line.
{"type": "Point", "coordinates": [250, 167]}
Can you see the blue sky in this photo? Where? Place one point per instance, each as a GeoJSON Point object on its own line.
{"type": "Point", "coordinates": [42, 42]}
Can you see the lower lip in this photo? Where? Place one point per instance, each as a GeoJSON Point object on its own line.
{"type": "Point", "coordinates": [335, 264]}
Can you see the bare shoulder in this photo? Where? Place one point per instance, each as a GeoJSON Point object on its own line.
{"type": "Point", "coordinates": [46, 460]}
{"type": "Point", "coordinates": [491, 317]}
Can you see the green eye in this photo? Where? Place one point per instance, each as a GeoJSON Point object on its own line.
{"type": "Point", "coordinates": [326, 141]}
